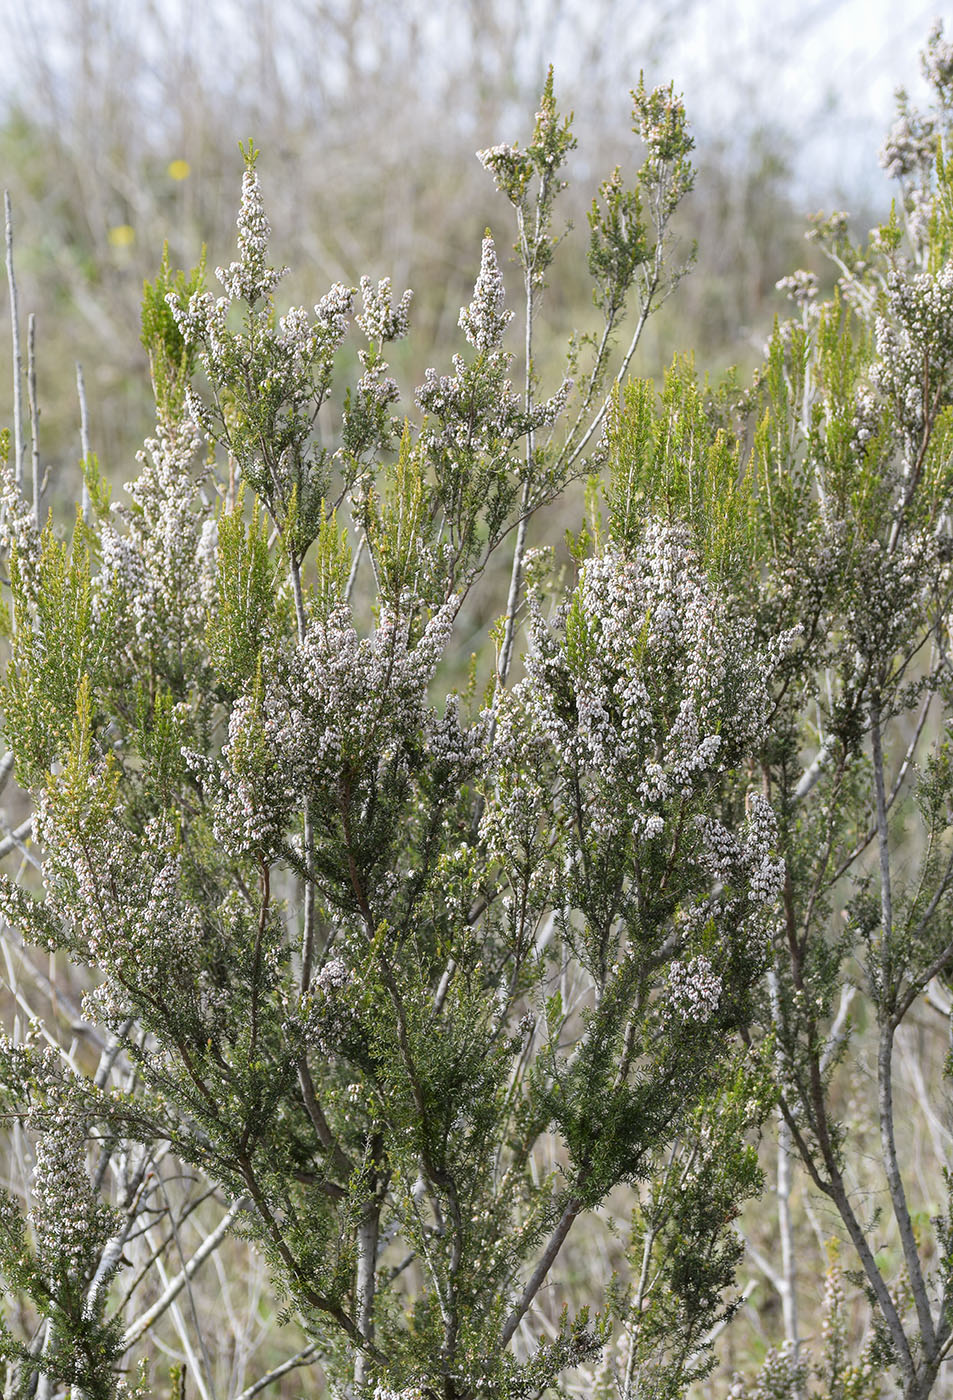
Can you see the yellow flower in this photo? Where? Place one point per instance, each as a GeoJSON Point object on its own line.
{"type": "Point", "coordinates": [121, 236]}
{"type": "Point", "coordinates": [179, 169]}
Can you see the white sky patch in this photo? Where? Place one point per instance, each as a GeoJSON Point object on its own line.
{"type": "Point", "coordinates": [823, 72]}
{"type": "Point", "coordinates": [820, 73]}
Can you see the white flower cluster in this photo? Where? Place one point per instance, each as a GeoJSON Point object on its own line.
{"type": "Point", "coordinates": [332, 314]}
{"type": "Point", "coordinates": [721, 851]}
{"type": "Point", "coordinates": [937, 61]}
{"type": "Point", "coordinates": [664, 683]}
{"type": "Point", "coordinates": [543, 415]}
{"type": "Point", "coordinates": [834, 1324]}
{"type": "Point", "coordinates": [759, 838]}
{"type": "Point", "coordinates": [365, 422]}
{"type": "Point", "coordinates": [119, 893]}
{"type": "Point", "coordinates": [452, 746]}
{"type": "Point", "coordinates": [275, 376]}
{"type": "Point", "coordinates": [341, 695]}
{"type": "Point", "coordinates": [18, 529]}
{"type": "Point", "coordinates": [492, 155]}
{"type": "Point", "coordinates": [466, 424]}
{"type": "Point", "coordinates": [474, 424]}
{"type": "Point", "coordinates": [485, 320]}
{"type": "Point", "coordinates": [334, 975]}
{"type": "Point", "coordinates": [375, 388]}
{"type": "Point", "coordinates": [251, 798]}
{"type": "Point", "coordinates": [334, 703]}
{"type": "Point", "coordinates": [380, 320]}
{"type": "Point", "coordinates": [297, 336]}
{"type": "Point", "coordinates": [639, 694]}
{"type": "Point", "coordinates": [891, 590]}
{"type": "Point", "coordinates": [201, 319]}
{"type": "Point", "coordinates": [476, 407]}
{"type": "Point", "coordinates": [909, 147]}
{"type": "Point", "coordinates": [510, 827]}
{"type": "Point", "coordinates": [801, 286]}
{"type": "Point", "coordinates": [661, 124]}
{"type": "Point", "coordinates": [288, 353]}
{"type": "Point", "coordinates": [867, 418]}
{"type": "Point", "coordinates": [301, 342]}
{"type": "Point", "coordinates": [693, 991]}
{"type": "Point", "coordinates": [330, 1020]}
{"type": "Point", "coordinates": [160, 561]}
{"type": "Point", "coordinates": [913, 335]}
{"type": "Point", "coordinates": [250, 277]}
{"type": "Point", "coordinates": [510, 168]}
{"type": "Point", "coordinates": [747, 858]}
{"type": "Point", "coordinates": [69, 1223]}
{"type": "Point", "coordinates": [207, 559]}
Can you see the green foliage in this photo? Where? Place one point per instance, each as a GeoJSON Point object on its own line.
{"type": "Point", "coordinates": [684, 1249]}
{"type": "Point", "coordinates": [661, 122]}
{"type": "Point", "coordinates": [97, 486]}
{"type": "Point", "coordinates": [246, 602]}
{"type": "Point", "coordinates": [399, 533]}
{"type": "Point", "coordinates": [668, 460]}
{"type": "Point", "coordinates": [514, 172]}
{"type": "Point", "coordinates": [171, 360]}
{"type": "Point", "coordinates": [617, 242]}
{"type": "Point", "coordinates": [58, 645]}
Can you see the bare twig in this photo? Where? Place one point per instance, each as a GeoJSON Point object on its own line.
{"type": "Point", "coordinates": [34, 412]}
{"type": "Point", "coordinates": [83, 433]}
{"type": "Point", "coordinates": [14, 841]}
{"type": "Point", "coordinates": [174, 1286]}
{"type": "Point", "coordinates": [301, 1358]}
{"type": "Point", "coordinates": [17, 358]}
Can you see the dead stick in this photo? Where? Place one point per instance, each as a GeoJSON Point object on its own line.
{"type": "Point", "coordinates": [17, 360]}
{"type": "Point", "coordinates": [83, 433]}
{"type": "Point", "coordinates": [34, 413]}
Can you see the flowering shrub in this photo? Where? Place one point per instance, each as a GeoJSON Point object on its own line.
{"type": "Point", "coordinates": [416, 982]}
{"type": "Point", "coordinates": [326, 916]}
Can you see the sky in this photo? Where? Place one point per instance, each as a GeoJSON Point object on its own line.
{"type": "Point", "coordinates": [823, 70]}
